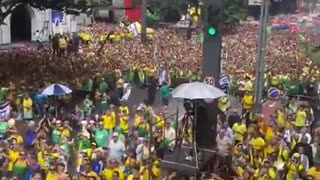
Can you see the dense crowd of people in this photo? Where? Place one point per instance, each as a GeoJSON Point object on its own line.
{"type": "Point", "coordinates": [102, 138]}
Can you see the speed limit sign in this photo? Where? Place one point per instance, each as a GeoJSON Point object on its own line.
{"type": "Point", "coordinates": [209, 80]}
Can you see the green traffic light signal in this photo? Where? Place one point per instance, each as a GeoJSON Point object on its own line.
{"type": "Point", "coordinates": [212, 31]}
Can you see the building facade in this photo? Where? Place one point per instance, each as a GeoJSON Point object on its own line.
{"type": "Point", "coordinates": [24, 21]}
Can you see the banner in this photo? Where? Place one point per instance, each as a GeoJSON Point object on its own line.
{"type": "Point", "coordinates": [254, 2]}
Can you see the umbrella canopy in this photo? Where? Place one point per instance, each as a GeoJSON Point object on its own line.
{"type": "Point", "coordinates": [56, 90]}
{"type": "Point", "coordinates": [197, 90]}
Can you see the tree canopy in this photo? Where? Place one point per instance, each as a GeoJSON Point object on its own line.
{"type": "Point", "coordinates": [170, 10]}
{"type": "Point", "coordinates": [70, 6]}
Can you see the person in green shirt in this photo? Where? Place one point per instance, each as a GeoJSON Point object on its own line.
{"type": "Point", "coordinates": [165, 93]}
{"type": "Point", "coordinates": [86, 107]}
{"type": "Point", "coordinates": [102, 103]}
{"type": "Point", "coordinates": [83, 142]}
{"type": "Point", "coordinates": [101, 135]}
{"type": "Point", "coordinates": [87, 85]}
{"type": "Point", "coordinates": [103, 86]}
{"type": "Point", "coordinates": [56, 136]}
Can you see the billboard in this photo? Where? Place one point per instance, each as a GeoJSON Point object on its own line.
{"type": "Point", "coordinates": [57, 17]}
{"type": "Point", "coordinates": [254, 2]}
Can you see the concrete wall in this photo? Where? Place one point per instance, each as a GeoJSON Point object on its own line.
{"type": "Point", "coordinates": [41, 20]}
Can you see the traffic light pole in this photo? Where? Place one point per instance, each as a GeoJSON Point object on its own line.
{"type": "Point", "coordinates": [260, 65]}
{"type": "Point", "coordinates": [144, 22]}
{"type": "Point", "coordinates": [212, 44]}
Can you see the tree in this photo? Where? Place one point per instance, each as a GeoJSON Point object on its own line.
{"type": "Point", "coordinates": [234, 11]}
{"type": "Point", "coordinates": [170, 9]}
{"type": "Point", "coordinates": [8, 6]}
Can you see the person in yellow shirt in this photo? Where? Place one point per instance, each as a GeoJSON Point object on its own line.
{"type": "Point", "coordinates": [124, 123]}
{"type": "Point", "coordinates": [247, 104]}
{"type": "Point", "coordinates": [138, 118]}
{"type": "Point", "coordinates": [281, 120]}
{"type": "Point", "coordinates": [301, 118]}
{"type": "Point", "coordinates": [13, 155]}
{"type": "Point", "coordinates": [109, 170]}
{"type": "Point", "coordinates": [314, 172]}
{"type": "Point", "coordinates": [266, 172]}
{"type": "Point", "coordinates": [294, 167]}
{"type": "Point", "coordinates": [88, 173]}
{"type": "Point", "coordinates": [27, 107]}
{"type": "Point", "coordinates": [257, 142]}
{"type": "Point", "coordinates": [108, 120]}
{"type": "Point", "coordinates": [135, 175]}
{"type": "Point", "coordinates": [239, 130]}
{"type": "Point", "coordinates": [223, 105]}
{"type": "Point", "coordinates": [248, 85]}
{"type": "Point", "coordinates": [15, 136]}
{"type": "Point", "coordinates": [124, 109]}
{"type": "Point", "coordinates": [65, 130]}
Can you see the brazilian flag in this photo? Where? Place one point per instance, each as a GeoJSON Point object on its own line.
{"type": "Point", "coordinates": [291, 88]}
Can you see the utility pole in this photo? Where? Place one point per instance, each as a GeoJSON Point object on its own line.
{"type": "Point", "coordinates": [144, 22]}
{"type": "Point", "coordinates": [260, 64]}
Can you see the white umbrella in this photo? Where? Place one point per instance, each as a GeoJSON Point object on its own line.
{"type": "Point", "coordinates": [56, 90]}
{"type": "Point", "coordinates": [197, 90]}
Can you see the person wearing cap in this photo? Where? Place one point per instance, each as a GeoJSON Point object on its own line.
{"type": "Point", "coordinates": [117, 147]}
{"type": "Point", "coordinates": [294, 167]}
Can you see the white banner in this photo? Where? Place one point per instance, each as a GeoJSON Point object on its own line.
{"type": "Point", "coordinates": [254, 2]}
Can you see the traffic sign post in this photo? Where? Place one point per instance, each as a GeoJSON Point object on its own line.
{"type": "Point", "coordinates": [209, 80]}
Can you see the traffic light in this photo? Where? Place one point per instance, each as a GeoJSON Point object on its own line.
{"type": "Point", "coordinates": [214, 19]}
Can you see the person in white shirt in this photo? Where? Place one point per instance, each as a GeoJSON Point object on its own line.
{"type": "Point", "coordinates": [37, 35]}
{"type": "Point", "coordinates": [304, 159]}
{"type": "Point", "coordinates": [304, 135]}
{"type": "Point", "coordinates": [140, 148]}
{"type": "Point", "coordinates": [126, 92]}
{"type": "Point", "coordinates": [224, 143]}
{"type": "Point", "coordinates": [170, 134]}
{"type": "Point", "coordinates": [117, 148]}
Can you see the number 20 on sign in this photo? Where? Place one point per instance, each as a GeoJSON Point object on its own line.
{"type": "Point", "coordinates": [209, 80]}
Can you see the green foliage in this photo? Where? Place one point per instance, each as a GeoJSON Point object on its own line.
{"type": "Point", "coordinates": [234, 11]}
{"type": "Point", "coordinates": [168, 9]}
{"type": "Point", "coordinates": [311, 52]}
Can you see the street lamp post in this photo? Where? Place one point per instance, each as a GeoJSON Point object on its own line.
{"type": "Point", "coordinates": [260, 64]}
